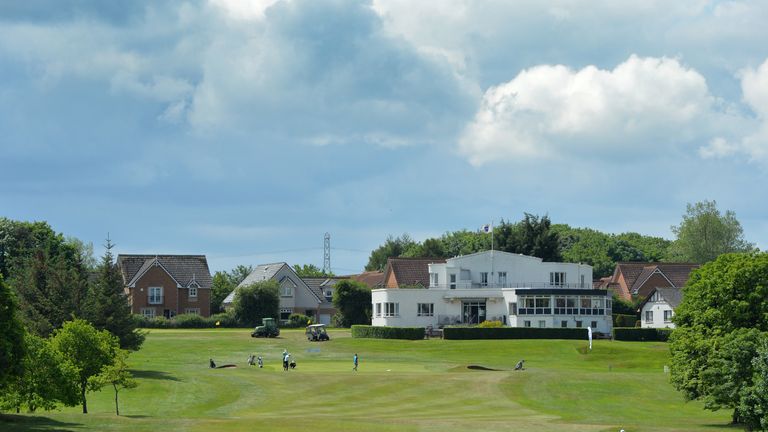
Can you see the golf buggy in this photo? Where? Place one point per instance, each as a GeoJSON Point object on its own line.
{"type": "Point", "coordinates": [316, 332]}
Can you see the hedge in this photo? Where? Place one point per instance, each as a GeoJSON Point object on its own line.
{"type": "Point", "coordinates": [366, 331]}
{"type": "Point", "coordinates": [513, 333]}
{"type": "Point", "coordinates": [186, 321]}
{"type": "Point", "coordinates": [641, 334]}
{"type": "Point", "coordinates": [622, 320]}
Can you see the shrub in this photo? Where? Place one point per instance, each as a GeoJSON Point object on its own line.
{"type": "Point", "coordinates": [513, 333]}
{"type": "Point", "coordinates": [297, 321]}
{"type": "Point", "coordinates": [366, 331]}
{"type": "Point", "coordinates": [490, 324]}
{"type": "Point", "coordinates": [187, 321]}
{"type": "Point", "coordinates": [225, 319]}
{"type": "Point", "coordinates": [190, 321]}
{"type": "Point", "coordinates": [624, 320]}
{"type": "Point", "coordinates": [641, 334]}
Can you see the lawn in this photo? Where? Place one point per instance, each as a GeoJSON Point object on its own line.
{"type": "Point", "coordinates": [400, 386]}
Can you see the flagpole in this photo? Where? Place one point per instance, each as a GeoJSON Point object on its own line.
{"type": "Point", "coordinates": [491, 250]}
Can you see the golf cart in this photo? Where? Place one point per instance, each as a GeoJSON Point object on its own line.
{"type": "Point", "coordinates": [316, 332]}
{"type": "Point", "coordinates": [268, 328]}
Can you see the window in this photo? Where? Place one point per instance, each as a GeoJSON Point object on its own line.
{"type": "Point", "coordinates": [513, 308]}
{"type": "Point", "coordinates": [453, 280]}
{"type": "Point", "coordinates": [667, 316]}
{"type": "Point", "coordinates": [148, 312]}
{"type": "Point", "coordinates": [433, 279]}
{"type": "Point", "coordinates": [543, 306]}
{"type": "Point", "coordinates": [328, 295]}
{"type": "Point", "coordinates": [286, 290]}
{"type": "Point", "coordinates": [391, 309]}
{"type": "Point", "coordinates": [557, 278]}
{"type": "Point", "coordinates": [378, 310]}
{"type": "Point", "coordinates": [527, 305]}
{"type": "Point", "coordinates": [155, 295]}
{"type": "Point", "coordinates": [425, 309]}
{"type": "Point", "coordinates": [193, 291]}
{"type": "Point", "coordinates": [649, 316]}
{"type": "Point", "coordinates": [502, 279]}
{"type": "Point", "coordinates": [594, 324]}
{"type": "Point", "coordinates": [564, 324]}
{"type": "Point", "coordinates": [578, 324]}
{"type": "Point", "coordinates": [586, 306]}
{"type": "Point", "coordinates": [285, 314]}
{"type": "Point", "coordinates": [542, 323]}
{"type": "Point", "coordinates": [583, 283]}
{"type": "Point", "coordinates": [484, 279]}
{"type": "Point", "coordinates": [193, 311]}
{"type": "Point", "coordinates": [527, 323]}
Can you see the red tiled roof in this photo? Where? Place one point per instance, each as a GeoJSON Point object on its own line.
{"type": "Point", "coordinates": [374, 279]}
{"type": "Point", "coordinates": [637, 273]}
{"type": "Point", "coordinates": [410, 271]}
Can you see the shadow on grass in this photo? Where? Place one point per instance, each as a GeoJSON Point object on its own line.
{"type": "Point", "coordinates": [136, 416]}
{"type": "Point", "coordinates": [150, 374]}
{"type": "Point", "coordinates": [34, 423]}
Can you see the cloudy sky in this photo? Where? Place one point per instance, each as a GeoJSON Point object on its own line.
{"type": "Point", "coordinates": [246, 130]}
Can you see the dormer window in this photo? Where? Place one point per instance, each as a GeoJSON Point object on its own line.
{"type": "Point", "coordinates": [193, 291]}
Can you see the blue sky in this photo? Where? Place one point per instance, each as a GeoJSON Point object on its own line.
{"type": "Point", "coordinates": [246, 130]}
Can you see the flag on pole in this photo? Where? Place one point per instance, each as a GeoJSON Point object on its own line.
{"type": "Point", "coordinates": [487, 228]}
{"type": "Point", "coordinates": [589, 335]}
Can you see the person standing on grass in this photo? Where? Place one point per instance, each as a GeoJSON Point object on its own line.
{"type": "Point", "coordinates": [286, 359]}
{"type": "Point", "coordinates": [355, 360]}
{"type": "Point", "coordinates": [261, 362]}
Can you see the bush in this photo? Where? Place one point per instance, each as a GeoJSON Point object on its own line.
{"type": "Point", "coordinates": [187, 321]}
{"type": "Point", "coordinates": [452, 332]}
{"type": "Point", "coordinates": [490, 324]}
{"type": "Point", "coordinates": [641, 334]}
{"type": "Point", "coordinates": [366, 331]}
{"type": "Point", "coordinates": [297, 321]}
{"type": "Point", "coordinates": [225, 319]}
{"type": "Point", "coordinates": [624, 320]}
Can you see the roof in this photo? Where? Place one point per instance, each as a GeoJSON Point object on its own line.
{"type": "Point", "coordinates": [317, 284]}
{"type": "Point", "coordinates": [672, 295]}
{"type": "Point", "coordinates": [264, 272]}
{"type": "Point", "coordinates": [637, 273]}
{"type": "Point", "coordinates": [184, 269]}
{"type": "Point", "coordinates": [374, 279]}
{"type": "Point", "coordinates": [410, 271]}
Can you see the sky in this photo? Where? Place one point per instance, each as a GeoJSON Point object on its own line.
{"type": "Point", "coordinates": [246, 130]}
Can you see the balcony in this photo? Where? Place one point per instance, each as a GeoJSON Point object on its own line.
{"type": "Point", "coordinates": [155, 300]}
{"type": "Point", "coordinates": [464, 284]}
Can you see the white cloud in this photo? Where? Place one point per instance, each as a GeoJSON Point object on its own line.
{"type": "Point", "coordinates": [550, 111]}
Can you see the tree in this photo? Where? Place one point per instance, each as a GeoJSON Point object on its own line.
{"type": "Point", "coordinates": [257, 301]}
{"type": "Point", "coordinates": [392, 248]}
{"type": "Point", "coordinates": [108, 306]}
{"type": "Point", "coordinates": [48, 379]}
{"type": "Point", "coordinates": [753, 410]}
{"type": "Point", "coordinates": [11, 336]}
{"type": "Point", "coordinates": [117, 375]}
{"type": "Point", "coordinates": [88, 349]}
{"type": "Point", "coordinates": [704, 234]}
{"type": "Point", "coordinates": [310, 271]}
{"type": "Point", "coordinates": [353, 301]}
{"type": "Point", "coordinates": [722, 302]}
{"type": "Point", "coordinates": [537, 239]}
{"type": "Point", "coordinates": [224, 283]}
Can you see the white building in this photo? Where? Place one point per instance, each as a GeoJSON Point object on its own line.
{"type": "Point", "coordinates": [657, 310]}
{"type": "Point", "coordinates": [518, 290]}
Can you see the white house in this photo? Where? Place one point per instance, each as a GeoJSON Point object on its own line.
{"type": "Point", "coordinates": [657, 310]}
{"type": "Point", "coordinates": [518, 290]}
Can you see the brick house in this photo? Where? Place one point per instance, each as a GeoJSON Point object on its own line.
{"type": "Point", "coordinates": [639, 279]}
{"type": "Point", "coordinates": [166, 285]}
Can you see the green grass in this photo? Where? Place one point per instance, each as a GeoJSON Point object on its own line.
{"type": "Point", "coordinates": [401, 386]}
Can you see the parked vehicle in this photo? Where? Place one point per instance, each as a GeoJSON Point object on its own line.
{"type": "Point", "coordinates": [268, 328]}
{"type": "Point", "coordinates": [316, 332]}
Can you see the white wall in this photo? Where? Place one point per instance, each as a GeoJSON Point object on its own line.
{"type": "Point", "coordinates": [658, 309]}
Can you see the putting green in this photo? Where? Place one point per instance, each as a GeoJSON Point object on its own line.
{"type": "Point", "coordinates": [400, 386]}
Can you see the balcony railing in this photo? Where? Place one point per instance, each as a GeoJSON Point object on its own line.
{"type": "Point", "coordinates": [155, 299]}
{"type": "Point", "coordinates": [536, 285]}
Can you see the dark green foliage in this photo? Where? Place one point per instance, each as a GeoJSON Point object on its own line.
{"type": "Point", "coordinates": [721, 322]}
{"type": "Point", "coordinates": [297, 321]}
{"type": "Point", "coordinates": [11, 336]}
{"type": "Point", "coordinates": [366, 331]}
{"type": "Point", "coordinates": [310, 270]}
{"type": "Point", "coordinates": [392, 248]}
{"type": "Point", "coordinates": [705, 233]}
{"type": "Point", "coordinates": [108, 307]}
{"type": "Point", "coordinates": [257, 301]}
{"type": "Point", "coordinates": [622, 320]}
{"type": "Point", "coordinates": [225, 320]}
{"type": "Point", "coordinates": [48, 379]}
{"type": "Point", "coordinates": [624, 307]}
{"type": "Point", "coordinates": [752, 411]}
{"type": "Point", "coordinates": [224, 283]}
{"type": "Point", "coordinates": [353, 301]}
{"type": "Point", "coordinates": [513, 333]}
{"type": "Point", "coordinates": [641, 334]}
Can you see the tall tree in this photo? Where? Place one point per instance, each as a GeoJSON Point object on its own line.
{"type": "Point", "coordinates": [11, 336]}
{"type": "Point", "coordinates": [353, 300]}
{"type": "Point", "coordinates": [108, 307]}
{"type": "Point", "coordinates": [257, 301]}
{"type": "Point", "coordinates": [310, 270]}
{"type": "Point", "coordinates": [723, 302]}
{"type": "Point", "coordinates": [537, 239]}
{"type": "Point", "coordinates": [116, 375]}
{"type": "Point", "coordinates": [705, 233]}
{"type": "Point", "coordinates": [393, 247]}
{"type": "Point", "coordinates": [225, 282]}
{"type": "Point", "coordinates": [89, 350]}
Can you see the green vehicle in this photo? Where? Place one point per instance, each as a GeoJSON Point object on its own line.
{"type": "Point", "coordinates": [268, 328]}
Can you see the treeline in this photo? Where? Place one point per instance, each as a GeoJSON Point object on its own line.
{"type": "Point", "coordinates": [703, 234]}
{"type": "Point", "coordinates": [65, 321]}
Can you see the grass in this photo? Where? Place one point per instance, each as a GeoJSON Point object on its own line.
{"type": "Point", "coordinates": [401, 386]}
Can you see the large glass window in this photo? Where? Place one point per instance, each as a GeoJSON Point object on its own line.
{"type": "Point", "coordinates": [484, 279]}
{"type": "Point", "coordinates": [453, 280]}
{"type": "Point", "coordinates": [148, 312]}
{"type": "Point", "coordinates": [557, 278]}
{"type": "Point", "coordinates": [648, 316]}
{"type": "Point", "coordinates": [586, 305]}
{"type": "Point", "coordinates": [425, 309]}
{"type": "Point", "coordinates": [155, 295]}
{"type": "Point", "coordinates": [391, 309]}
{"type": "Point", "coordinates": [543, 306]}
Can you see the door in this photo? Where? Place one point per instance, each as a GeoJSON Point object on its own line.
{"type": "Point", "coordinates": [473, 312]}
{"type": "Point", "coordinates": [325, 319]}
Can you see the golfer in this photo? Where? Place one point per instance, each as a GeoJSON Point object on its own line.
{"type": "Point", "coordinates": [355, 359]}
{"type": "Point", "coordinates": [286, 359]}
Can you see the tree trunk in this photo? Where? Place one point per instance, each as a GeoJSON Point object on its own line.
{"type": "Point", "coordinates": [117, 407]}
{"type": "Point", "coordinates": [85, 404]}
{"type": "Point", "coordinates": [735, 417]}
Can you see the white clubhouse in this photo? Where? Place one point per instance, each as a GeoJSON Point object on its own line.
{"type": "Point", "coordinates": [518, 290]}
